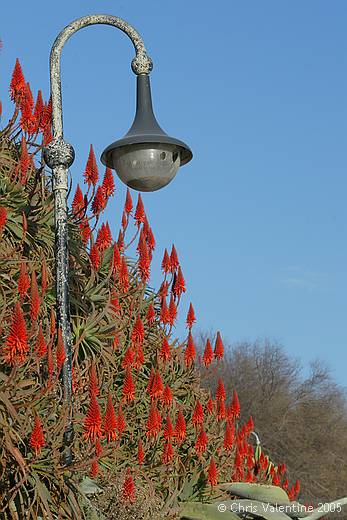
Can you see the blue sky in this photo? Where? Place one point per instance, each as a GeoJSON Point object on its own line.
{"type": "Point", "coordinates": [258, 90]}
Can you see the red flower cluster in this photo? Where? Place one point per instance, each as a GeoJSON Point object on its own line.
{"type": "Point", "coordinates": [16, 346]}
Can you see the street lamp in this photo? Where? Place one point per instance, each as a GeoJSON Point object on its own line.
{"type": "Point", "coordinates": [145, 159]}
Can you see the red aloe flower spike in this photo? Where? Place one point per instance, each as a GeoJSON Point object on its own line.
{"type": "Point", "coordinates": [168, 453]}
{"type": "Point", "coordinates": [92, 422]}
{"type": "Point", "coordinates": [94, 469]}
{"type": "Point", "coordinates": [98, 448]}
{"type": "Point", "coordinates": [145, 227]}
{"type": "Point", "coordinates": [157, 386]}
{"type": "Point", "coordinates": [28, 121]}
{"type": "Point", "coordinates": [219, 347]}
{"type": "Point", "coordinates": [166, 264]}
{"type": "Point", "coordinates": [163, 290]}
{"type": "Point", "coordinates": [229, 413]}
{"type": "Point", "coordinates": [179, 286]}
{"type": "Point", "coordinates": [140, 453]}
{"type": "Point", "coordinates": [139, 357]}
{"type": "Point", "coordinates": [190, 352]}
{"type": "Point", "coordinates": [110, 421]}
{"type": "Point", "coordinates": [104, 237]}
{"type": "Point", "coordinates": [91, 173]}
{"type": "Point", "coordinates": [168, 429]}
{"type": "Point", "coordinates": [220, 394]}
{"type": "Point", "coordinates": [141, 242]}
{"type": "Point", "coordinates": [236, 404]}
{"type": "Point", "coordinates": [37, 438]}
{"type": "Point", "coordinates": [23, 280]}
{"type": "Point", "coordinates": [249, 476]}
{"type": "Point", "coordinates": [150, 379]}
{"type": "Point", "coordinates": [108, 183]}
{"type": "Point", "coordinates": [153, 422]}
{"type": "Point", "coordinates": [174, 263]}
{"type": "Point", "coordinates": [128, 203]}
{"type": "Point", "coordinates": [34, 298]}
{"type": "Point", "coordinates": [124, 220]}
{"type": "Point", "coordinates": [250, 424]}
{"type": "Point", "coordinates": [78, 200]}
{"type": "Point", "coordinates": [85, 230]}
{"type": "Point", "coordinates": [238, 460]}
{"type": "Point", "coordinates": [121, 424]}
{"type": "Point", "coordinates": [229, 437]}
{"type": "Point", "coordinates": [285, 484]}
{"type": "Point", "coordinates": [40, 345]}
{"type": "Point", "coordinates": [129, 357]}
{"type": "Point", "coordinates": [129, 488]}
{"type": "Point", "coordinates": [172, 311]}
{"type": "Point", "coordinates": [201, 442]}
{"type": "Point", "coordinates": [283, 468]}
{"type": "Point", "coordinates": [166, 398]}
{"type": "Point", "coordinates": [17, 346]}
{"type": "Point", "coordinates": [99, 201]}
{"type": "Point", "coordinates": [297, 487]}
{"type": "Point", "coordinates": [150, 240]}
{"type": "Point", "coordinates": [150, 317]}
{"type": "Point", "coordinates": [128, 392]}
{"type": "Point", "coordinates": [3, 217]}
{"type": "Point", "coordinates": [138, 332]}
{"type": "Point", "coordinates": [26, 102]}
{"type": "Point", "coordinates": [220, 415]}
{"type": "Point", "coordinates": [94, 257]}
{"type": "Point", "coordinates": [212, 473]}
{"type": "Point", "coordinates": [208, 354]}
{"type": "Point", "coordinates": [47, 135]}
{"type": "Point", "coordinates": [198, 414]}
{"type": "Point", "coordinates": [164, 313]}
{"type": "Point", "coordinates": [117, 260]}
{"type": "Point", "coordinates": [140, 211]}
{"type": "Point", "coordinates": [144, 260]}
{"type": "Point", "coordinates": [46, 118]}
{"type": "Point", "coordinates": [190, 317]}
{"type": "Point", "coordinates": [60, 353]}
{"type": "Point", "coordinates": [25, 160]}
{"type": "Point", "coordinates": [209, 406]}
{"type": "Point", "coordinates": [180, 428]}
{"type": "Point", "coordinates": [124, 276]}
{"type": "Point", "coordinates": [276, 480]}
{"type": "Point", "coordinates": [93, 386]}
{"type": "Point", "coordinates": [165, 353]}
{"type": "Point", "coordinates": [38, 112]}
{"type": "Point", "coordinates": [18, 84]}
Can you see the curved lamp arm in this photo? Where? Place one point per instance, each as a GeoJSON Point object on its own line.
{"type": "Point", "coordinates": [59, 156]}
{"type": "Point", "coordinates": [141, 64]}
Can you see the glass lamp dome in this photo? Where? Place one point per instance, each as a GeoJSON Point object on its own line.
{"type": "Point", "coordinates": [146, 159]}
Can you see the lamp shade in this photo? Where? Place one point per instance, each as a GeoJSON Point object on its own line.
{"type": "Point", "coordinates": [146, 158]}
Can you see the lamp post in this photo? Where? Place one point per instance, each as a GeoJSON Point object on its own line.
{"type": "Point", "coordinates": [145, 159]}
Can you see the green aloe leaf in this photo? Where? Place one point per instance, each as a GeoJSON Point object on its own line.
{"type": "Point", "coordinates": [89, 487]}
{"type": "Point", "coordinates": [259, 509]}
{"type": "Point", "coordinates": [325, 509]}
{"type": "Point", "coordinates": [197, 511]}
{"type": "Point", "coordinates": [261, 492]}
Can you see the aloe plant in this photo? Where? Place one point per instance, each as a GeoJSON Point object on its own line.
{"type": "Point", "coordinates": [146, 432]}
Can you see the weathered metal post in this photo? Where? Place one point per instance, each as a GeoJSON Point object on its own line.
{"type": "Point", "coordinates": [59, 156]}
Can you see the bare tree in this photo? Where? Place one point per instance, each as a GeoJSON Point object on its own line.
{"type": "Point", "coordinates": [301, 420]}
